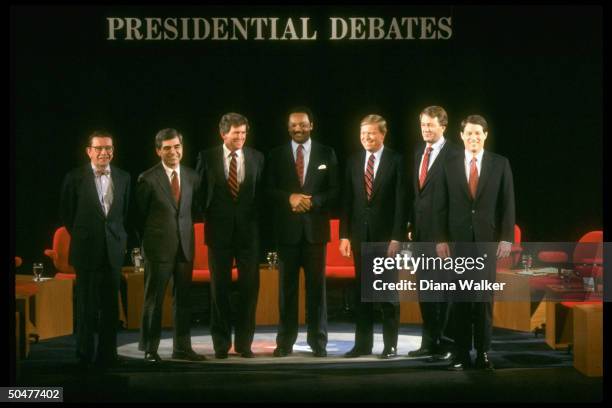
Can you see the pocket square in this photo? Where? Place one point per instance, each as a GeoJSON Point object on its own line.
{"type": "Point", "coordinates": [322, 167]}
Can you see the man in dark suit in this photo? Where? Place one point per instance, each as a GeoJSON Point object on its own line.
{"type": "Point", "coordinates": [429, 161]}
{"type": "Point", "coordinates": [231, 176]}
{"type": "Point", "coordinates": [373, 211]}
{"type": "Point", "coordinates": [166, 195]}
{"type": "Point", "coordinates": [302, 183]}
{"type": "Point", "coordinates": [475, 206]}
{"type": "Point", "coordinates": [94, 208]}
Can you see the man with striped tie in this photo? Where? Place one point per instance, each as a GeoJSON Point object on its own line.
{"type": "Point", "coordinates": [231, 195]}
{"type": "Point", "coordinates": [373, 211]}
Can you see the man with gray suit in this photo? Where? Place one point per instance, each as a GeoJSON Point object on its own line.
{"type": "Point", "coordinates": [166, 196]}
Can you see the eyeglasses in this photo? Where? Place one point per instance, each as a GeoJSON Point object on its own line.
{"type": "Point", "coordinates": [100, 148]}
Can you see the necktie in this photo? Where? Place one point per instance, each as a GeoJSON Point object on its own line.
{"type": "Point", "coordinates": [473, 181]}
{"type": "Point", "coordinates": [176, 191]}
{"type": "Point", "coordinates": [232, 177]}
{"type": "Point", "coordinates": [425, 166]}
{"type": "Point", "coordinates": [299, 163]}
{"type": "Point", "coordinates": [104, 172]}
{"type": "Point", "coordinates": [369, 176]}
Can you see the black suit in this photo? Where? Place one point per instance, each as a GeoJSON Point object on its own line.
{"type": "Point", "coordinates": [380, 219]}
{"type": "Point", "coordinates": [489, 218]}
{"type": "Point", "coordinates": [302, 238]}
{"type": "Point", "coordinates": [434, 309]}
{"type": "Point", "coordinates": [97, 249]}
{"type": "Point", "coordinates": [232, 232]}
{"type": "Point", "coordinates": [167, 239]}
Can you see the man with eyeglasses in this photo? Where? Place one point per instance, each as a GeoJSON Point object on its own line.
{"type": "Point", "coordinates": [94, 208]}
{"type": "Point", "coordinates": [166, 196]}
{"type": "Point", "coordinates": [302, 183]}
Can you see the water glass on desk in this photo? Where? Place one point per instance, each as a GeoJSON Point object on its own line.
{"type": "Point", "coordinates": [37, 270]}
{"type": "Point", "coordinates": [526, 261]}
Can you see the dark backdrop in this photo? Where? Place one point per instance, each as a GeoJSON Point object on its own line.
{"type": "Point", "coordinates": [534, 72]}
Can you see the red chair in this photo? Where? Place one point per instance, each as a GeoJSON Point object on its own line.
{"type": "Point", "coordinates": [337, 267]}
{"type": "Point", "coordinates": [515, 252]}
{"type": "Point", "coordinates": [59, 254]}
{"type": "Point", "coordinates": [201, 272]}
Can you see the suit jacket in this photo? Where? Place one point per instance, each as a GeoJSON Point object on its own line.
{"type": "Point", "coordinates": [487, 218]}
{"type": "Point", "coordinates": [166, 227]}
{"type": "Point", "coordinates": [381, 219]}
{"type": "Point", "coordinates": [222, 215]}
{"type": "Point", "coordinates": [83, 216]}
{"type": "Point", "coordinates": [422, 214]}
{"type": "Point", "coordinates": [321, 182]}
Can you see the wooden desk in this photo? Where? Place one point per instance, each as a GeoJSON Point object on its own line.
{"type": "Point", "coordinates": [52, 307]}
{"type": "Point", "coordinates": [135, 299]}
{"type": "Point", "coordinates": [559, 320]}
{"type": "Point", "coordinates": [268, 299]}
{"type": "Point", "coordinates": [23, 327]}
{"type": "Point", "coordinates": [519, 312]}
{"type": "Point", "coordinates": [588, 339]}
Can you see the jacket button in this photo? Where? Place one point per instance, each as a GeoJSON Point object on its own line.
{"type": "Point", "coordinates": [473, 211]}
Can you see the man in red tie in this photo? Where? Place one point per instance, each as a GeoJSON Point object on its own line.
{"type": "Point", "coordinates": [429, 161]}
{"type": "Point", "coordinates": [373, 210]}
{"type": "Point", "coordinates": [232, 196]}
{"type": "Point", "coordinates": [166, 196]}
{"type": "Point", "coordinates": [302, 184]}
{"type": "Point", "coordinates": [474, 207]}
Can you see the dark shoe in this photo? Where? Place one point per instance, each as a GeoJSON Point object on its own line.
{"type": "Point", "coordinates": [388, 352]}
{"type": "Point", "coordinates": [281, 352]}
{"type": "Point", "coordinates": [436, 358]}
{"type": "Point", "coordinates": [152, 357]}
{"type": "Point", "coordinates": [460, 363]}
{"type": "Point", "coordinates": [220, 355]}
{"type": "Point", "coordinates": [319, 352]}
{"type": "Point", "coordinates": [188, 355]}
{"type": "Point", "coordinates": [420, 352]}
{"type": "Point", "coordinates": [356, 352]}
{"type": "Point", "coordinates": [483, 362]}
{"type": "Point", "coordinates": [247, 354]}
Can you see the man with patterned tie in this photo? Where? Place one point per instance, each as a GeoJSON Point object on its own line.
{"type": "Point", "coordinates": [302, 184]}
{"type": "Point", "coordinates": [474, 206]}
{"type": "Point", "coordinates": [231, 191]}
{"type": "Point", "coordinates": [428, 163]}
{"type": "Point", "coordinates": [94, 208]}
{"type": "Point", "coordinates": [167, 199]}
{"type": "Point", "coordinates": [373, 210]}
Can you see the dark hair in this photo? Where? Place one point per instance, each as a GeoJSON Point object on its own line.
{"type": "Point", "coordinates": [475, 120]}
{"type": "Point", "coordinates": [98, 133]}
{"type": "Point", "coordinates": [302, 109]}
{"type": "Point", "coordinates": [232, 119]}
{"type": "Point", "coordinates": [167, 134]}
{"type": "Point", "coordinates": [436, 112]}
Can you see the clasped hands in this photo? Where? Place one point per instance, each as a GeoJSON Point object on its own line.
{"type": "Point", "coordinates": [503, 249]}
{"type": "Point", "coordinates": [300, 203]}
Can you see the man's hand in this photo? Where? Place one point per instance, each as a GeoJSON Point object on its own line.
{"type": "Point", "coordinates": [394, 248]}
{"type": "Point", "coordinates": [503, 249]}
{"type": "Point", "coordinates": [442, 250]}
{"type": "Point", "coordinates": [345, 248]}
{"type": "Point", "coordinates": [300, 203]}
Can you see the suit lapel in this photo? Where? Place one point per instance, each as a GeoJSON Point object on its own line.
{"type": "Point", "coordinates": [164, 183]}
{"type": "Point", "coordinates": [92, 190]}
{"type": "Point", "coordinates": [116, 185]}
{"type": "Point", "coordinates": [249, 170]}
{"type": "Point", "coordinates": [313, 159]}
{"type": "Point", "coordinates": [417, 165]}
{"type": "Point", "coordinates": [485, 171]}
{"type": "Point", "coordinates": [459, 168]}
{"type": "Point", "coordinates": [359, 171]}
{"type": "Point", "coordinates": [219, 169]}
{"type": "Point", "coordinates": [382, 171]}
{"type": "Point", "coordinates": [290, 163]}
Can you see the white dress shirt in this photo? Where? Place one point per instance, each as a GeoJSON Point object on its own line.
{"type": "Point", "coordinates": [239, 163]}
{"type": "Point", "coordinates": [434, 153]}
{"type": "Point", "coordinates": [104, 187]}
{"type": "Point", "coordinates": [468, 162]}
{"type": "Point", "coordinates": [169, 173]}
{"type": "Point", "coordinates": [305, 152]}
{"type": "Point", "coordinates": [377, 156]}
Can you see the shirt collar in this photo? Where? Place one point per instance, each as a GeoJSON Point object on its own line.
{"type": "Point", "coordinates": [169, 170]}
{"type": "Point", "coordinates": [469, 156]}
{"type": "Point", "coordinates": [108, 168]}
{"type": "Point", "coordinates": [226, 152]}
{"type": "Point", "coordinates": [438, 145]}
{"type": "Point", "coordinates": [306, 145]}
{"type": "Point", "coordinates": [377, 153]}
